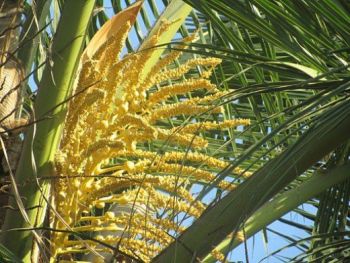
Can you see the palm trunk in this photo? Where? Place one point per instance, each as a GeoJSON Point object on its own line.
{"type": "Point", "coordinates": [10, 69]}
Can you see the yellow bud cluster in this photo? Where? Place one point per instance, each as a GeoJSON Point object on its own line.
{"type": "Point", "coordinates": [195, 157]}
{"type": "Point", "coordinates": [109, 52]}
{"type": "Point", "coordinates": [213, 99]}
{"type": "Point", "coordinates": [162, 63]}
{"type": "Point", "coordinates": [184, 68]}
{"type": "Point", "coordinates": [206, 126]}
{"type": "Point", "coordinates": [168, 111]}
{"type": "Point", "coordinates": [218, 255]}
{"type": "Point", "coordinates": [117, 113]}
{"type": "Point", "coordinates": [182, 88]}
{"type": "Point", "coordinates": [187, 139]}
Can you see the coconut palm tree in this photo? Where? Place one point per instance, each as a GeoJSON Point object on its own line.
{"type": "Point", "coordinates": [163, 173]}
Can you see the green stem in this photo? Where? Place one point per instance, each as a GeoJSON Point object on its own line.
{"type": "Point", "coordinates": [285, 203]}
{"type": "Point", "coordinates": [231, 211]}
{"type": "Point", "coordinates": [54, 88]}
{"type": "Point", "coordinates": [30, 39]}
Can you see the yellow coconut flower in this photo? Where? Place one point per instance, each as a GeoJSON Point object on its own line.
{"type": "Point", "coordinates": [111, 185]}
